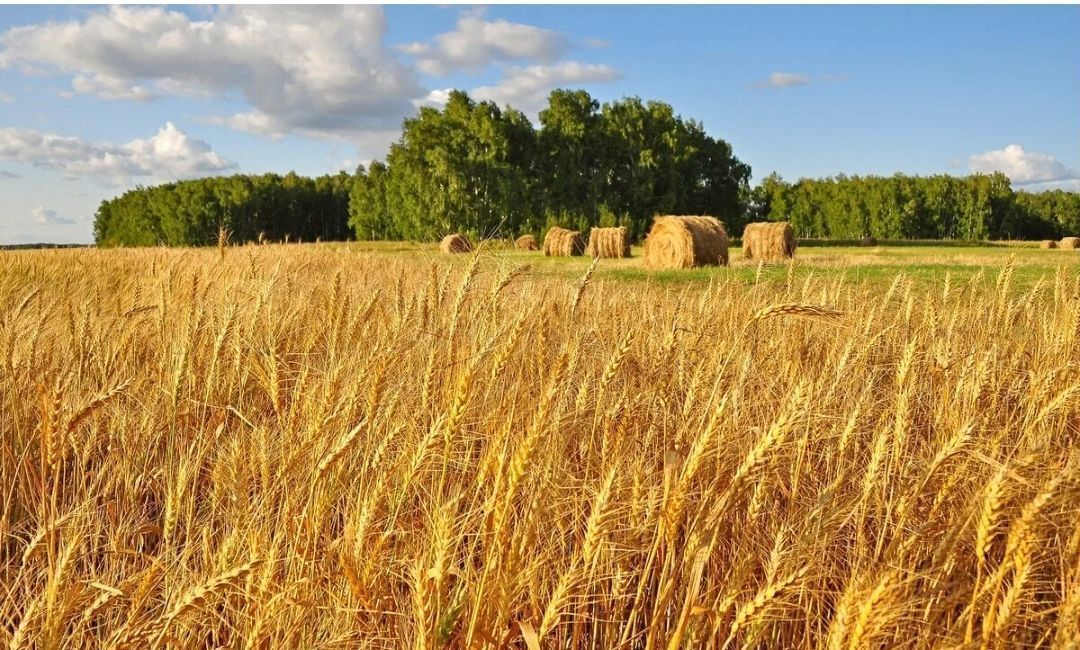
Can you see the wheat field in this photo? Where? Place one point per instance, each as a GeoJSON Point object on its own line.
{"type": "Point", "coordinates": [294, 446]}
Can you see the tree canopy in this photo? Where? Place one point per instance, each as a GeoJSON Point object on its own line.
{"type": "Point", "coordinates": [190, 213]}
{"type": "Point", "coordinates": [472, 167]}
{"type": "Point", "coordinates": [981, 206]}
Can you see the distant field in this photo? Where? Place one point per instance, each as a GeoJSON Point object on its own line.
{"type": "Point", "coordinates": [922, 261]}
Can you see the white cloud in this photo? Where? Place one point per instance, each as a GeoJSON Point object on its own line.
{"type": "Point", "coordinates": [436, 98]}
{"type": "Point", "coordinates": [1022, 167]}
{"type": "Point", "coordinates": [1068, 186]}
{"type": "Point", "coordinates": [255, 122]}
{"type": "Point", "coordinates": [476, 43]}
{"type": "Point", "coordinates": [318, 70]}
{"type": "Point", "coordinates": [527, 88]}
{"type": "Point", "coordinates": [6, 98]}
{"type": "Point", "coordinates": [42, 216]}
{"type": "Point", "coordinates": [169, 155]}
{"type": "Point", "coordinates": [784, 80]}
{"type": "Point", "coordinates": [108, 87]}
{"type": "Point", "coordinates": [596, 42]}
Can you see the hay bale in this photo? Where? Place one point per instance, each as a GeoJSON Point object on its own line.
{"type": "Point", "coordinates": [868, 241]}
{"type": "Point", "coordinates": [609, 242]}
{"type": "Point", "coordinates": [1048, 243]}
{"type": "Point", "coordinates": [769, 241]}
{"type": "Point", "coordinates": [455, 243]}
{"type": "Point", "coordinates": [1071, 243]}
{"type": "Point", "coordinates": [526, 243]}
{"type": "Point", "coordinates": [560, 242]}
{"type": "Point", "coordinates": [684, 242]}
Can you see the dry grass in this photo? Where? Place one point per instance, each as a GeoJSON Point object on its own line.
{"type": "Point", "coordinates": [292, 446]}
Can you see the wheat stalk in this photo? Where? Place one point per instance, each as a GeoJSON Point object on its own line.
{"type": "Point", "coordinates": [200, 595]}
{"type": "Point", "coordinates": [797, 310]}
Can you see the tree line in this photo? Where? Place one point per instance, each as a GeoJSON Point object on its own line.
{"type": "Point", "coordinates": [190, 213]}
{"type": "Point", "coordinates": [469, 167]}
{"type": "Point", "coordinates": [486, 171]}
{"type": "Point", "coordinates": [977, 207]}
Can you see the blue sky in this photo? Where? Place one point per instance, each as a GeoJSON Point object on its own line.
{"type": "Point", "coordinates": [94, 100]}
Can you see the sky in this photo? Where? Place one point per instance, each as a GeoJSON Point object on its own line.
{"type": "Point", "coordinates": [95, 100]}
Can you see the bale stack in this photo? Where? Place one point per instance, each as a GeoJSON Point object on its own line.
{"type": "Point", "coordinates": [455, 243]}
{"type": "Point", "coordinates": [684, 242]}
{"type": "Point", "coordinates": [1048, 243]}
{"type": "Point", "coordinates": [526, 243]}
{"type": "Point", "coordinates": [868, 241]}
{"type": "Point", "coordinates": [560, 242]}
{"type": "Point", "coordinates": [1071, 243]}
{"type": "Point", "coordinates": [769, 241]}
{"type": "Point", "coordinates": [609, 242]}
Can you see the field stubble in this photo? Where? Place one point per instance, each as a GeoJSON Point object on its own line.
{"type": "Point", "coordinates": [299, 446]}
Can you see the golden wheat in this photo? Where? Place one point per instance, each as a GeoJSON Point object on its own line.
{"type": "Point", "coordinates": [460, 451]}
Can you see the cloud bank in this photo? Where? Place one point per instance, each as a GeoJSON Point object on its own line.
{"type": "Point", "coordinates": [316, 71]}
{"type": "Point", "coordinates": [319, 70]}
{"type": "Point", "coordinates": [42, 216]}
{"type": "Point", "coordinates": [170, 154]}
{"type": "Point", "coordinates": [1022, 167]}
{"type": "Point", "coordinates": [476, 43]}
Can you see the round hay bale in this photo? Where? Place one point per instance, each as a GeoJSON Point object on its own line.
{"type": "Point", "coordinates": [868, 241]}
{"type": "Point", "coordinates": [1048, 243]}
{"type": "Point", "coordinates": [1071, 243]}
{"type": "Point", "coordinates": [526, 243]}
{"type": "Point", "coordinates": [684, 242]}
{"type": "Point", "coordinates": [455, 243]}
{"type": "Point", "coordinates": [609, 242]}
{"type": "Point", "coordinates": [769, 241]}
{"type": "Point", "coordinates": [560, 242]}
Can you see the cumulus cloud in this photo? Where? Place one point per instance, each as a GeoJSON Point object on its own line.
{"type": "Point", "coordinates": [316, 70]}
{"type": "Point", "coordinates": [437, 98]}
{"type": "Point", "coordinates": [527, 87]}
{"type": "Point", "coordinates": [476, 43]}
{"type": "Point", "coordinates": [6, 174]}
{"type": "Point", "coordinates": [1022, 167]}
{"type": "Point", "coordinates": [784, 80]}
{"type": "Point", "coordinates": [42, 216]}
{"type": "Point", "coordinates": [168, 155]}
{"type": "Point", "coordinates": [108, 87]}
{"type": "Point", "coordinates": [6, 98]}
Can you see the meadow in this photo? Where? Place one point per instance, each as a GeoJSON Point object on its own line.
{"type": "Point", "coordinates": [924, 262]}
{"type": "Point", "coordinates": [375, 446]}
